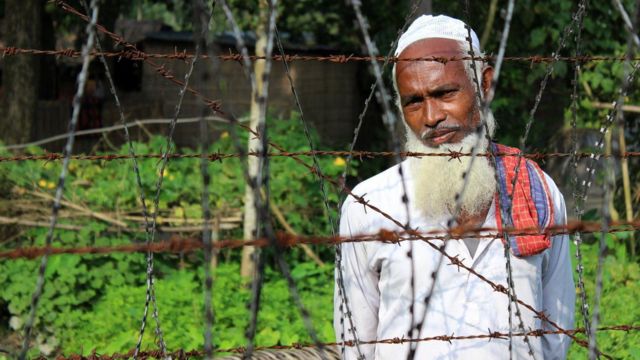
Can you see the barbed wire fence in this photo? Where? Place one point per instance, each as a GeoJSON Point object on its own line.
{"type": "Point", "coordinates": [267, 236]}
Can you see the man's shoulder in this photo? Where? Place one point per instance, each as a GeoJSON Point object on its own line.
{"type": "Point", "coordinates": [383, 190]}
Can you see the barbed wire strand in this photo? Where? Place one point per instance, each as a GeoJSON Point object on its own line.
{"type": "Point", "coordinates": [77, 104]}
{"type": "Point", "coordinates": [180, 244]}
{"type": "Point", "coordinates": [490, 335]}
{"type": "Point", "coordinates": [590, 170]}
{"type": "Point", "coordinates": [163, 164]}
{"type": "Point", "coordinates": [202, 18]}
{"type": "Point", "coordinates": [137, 55]}
{"type": "Point", "coordinates": [578, 211]}
{"type": "Point", "coordinates": [344, 306]}
{"type": "Point", "coordinates": [362, 155]}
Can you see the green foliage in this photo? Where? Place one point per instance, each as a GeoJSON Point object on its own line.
{"type": "Point", "coordinates": [115, 318]}
{"type": "Point", "coordinates": [618, 304]}
{"type": "Point", "coordinates": [96, 301]}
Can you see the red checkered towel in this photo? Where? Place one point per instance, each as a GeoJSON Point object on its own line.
{"type": "Point", "coordinates": [532, 206]}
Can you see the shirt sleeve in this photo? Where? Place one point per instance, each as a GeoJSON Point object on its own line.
{"type": "Point", "coordinates": [361, 296]}
{"type": "Point", "coordinates": [557, 284]}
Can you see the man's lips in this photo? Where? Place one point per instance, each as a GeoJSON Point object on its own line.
{"type": "Point", "coordinates": [439, 136]}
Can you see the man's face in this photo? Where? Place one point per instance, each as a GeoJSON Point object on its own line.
{"type": "Point", "coordinates": [438, 100]}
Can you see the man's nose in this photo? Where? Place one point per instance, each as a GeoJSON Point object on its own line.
{"type": "Point", "coordinates": [433, 113]}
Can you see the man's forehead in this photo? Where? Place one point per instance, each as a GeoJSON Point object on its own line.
{"type": "Point", "coordinates": [436, 47]}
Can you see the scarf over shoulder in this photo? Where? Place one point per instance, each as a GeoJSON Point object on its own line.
{"type": "Point", "coordinates": [532, 206]}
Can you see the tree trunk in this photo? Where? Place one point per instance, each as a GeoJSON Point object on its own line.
{"type": "Point", "coordinates": [247, 265]}
{"type": "Point", "coordinates": [20, 76]}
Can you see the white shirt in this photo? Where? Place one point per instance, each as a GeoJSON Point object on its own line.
{"type": "Point", "coordinates": [378, 284]}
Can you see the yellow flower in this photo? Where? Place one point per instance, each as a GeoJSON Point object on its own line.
{"type": "Point", "coordinates": [171, 177]}
{"type": "Point", "coordinates": [165, 172]}
{"type": "Point", "coordinates": [42, 183]}
{"type": "Point", "coordinates": [339, 161]}
{"type": "Point", "coordinates": [224, 135]}
{"type": "Point", "coordinates": [51, 185]}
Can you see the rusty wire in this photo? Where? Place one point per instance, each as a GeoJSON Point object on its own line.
{"type": "Point", "coordinates": [138, 55]}
{"type": "Point", "coordinates": [489, 335]}
{"type": "Point", "coordinates": [219, 156]}
{"type": "Point", "coordinates": [82, 77]}
{"type": "Point", "coordinates": [181, 244]}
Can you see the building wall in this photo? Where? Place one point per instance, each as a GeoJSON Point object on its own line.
{"type": "Point", "coordinates": [329, 92]}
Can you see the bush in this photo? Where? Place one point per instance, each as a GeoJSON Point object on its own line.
{"type": "Point", "coordinates": [96, 302]}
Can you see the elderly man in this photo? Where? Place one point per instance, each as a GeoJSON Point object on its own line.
{"type": "Point", "coordinates": [387, 286]}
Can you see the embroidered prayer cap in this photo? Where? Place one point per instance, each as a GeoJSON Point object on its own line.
{"type": "Point", "coordinates": [440, 26]}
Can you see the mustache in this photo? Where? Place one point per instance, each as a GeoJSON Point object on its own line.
{"type": "Point", "coordinates": [441, 130]}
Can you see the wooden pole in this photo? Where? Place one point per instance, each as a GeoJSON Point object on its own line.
{"type": "Point", "coordinates": [626, 183]}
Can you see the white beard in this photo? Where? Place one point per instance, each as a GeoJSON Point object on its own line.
{"type": "Point", "coordinates": [438, 179]}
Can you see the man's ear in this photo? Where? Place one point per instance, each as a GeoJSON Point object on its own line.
{"type": "Point", "coordinates": [487, 80]}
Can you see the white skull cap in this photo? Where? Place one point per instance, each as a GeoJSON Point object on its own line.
{"type": "Point", "coordinates": [440, 26]}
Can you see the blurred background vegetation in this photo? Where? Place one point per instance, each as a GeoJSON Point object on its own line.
{"type": "Point", "coordinates": [95, 302]}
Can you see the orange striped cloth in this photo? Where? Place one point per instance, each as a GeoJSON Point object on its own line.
{"type": "Point", "coordinates": [531, 204]}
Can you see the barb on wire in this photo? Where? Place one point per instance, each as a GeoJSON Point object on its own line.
{"type": "Point", "coordinates": [77, 104]}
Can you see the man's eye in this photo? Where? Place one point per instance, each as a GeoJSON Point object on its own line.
{"type": "Point", "coordinates": [447, 93]}
{"type": "Point", "coordinates": [412, 101]}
